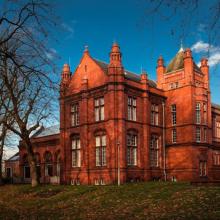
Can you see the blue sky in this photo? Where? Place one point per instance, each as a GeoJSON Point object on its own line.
{"type": "Point", "coordinates": [141, 36]}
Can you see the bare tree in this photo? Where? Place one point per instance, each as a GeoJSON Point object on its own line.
{"type": "Point", "coordinates": [3, 135]}
{"type": "Point", "coordinates": [26, 71]}
{"type": "Point", "coordinates": [187, 15]}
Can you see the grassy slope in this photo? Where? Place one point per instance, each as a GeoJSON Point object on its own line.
{"type": "Point", "coordinates": [153, 200]}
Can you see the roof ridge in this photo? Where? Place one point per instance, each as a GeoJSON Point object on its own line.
{"type": "Point", "coordinates": [215, 105]}
{"type": "Point", "coordinates": [100, 61]}
{"type": "Point", "coordinates": [130, 74]}
{"type": "Point", "coordinates": [14, 155]}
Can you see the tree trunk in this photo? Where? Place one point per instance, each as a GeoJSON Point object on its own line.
{"type": "Point", "coordinates": [1, 181]}
{"type": "Point", "coordinates": [1, 155]}
{"type": "Point", "coordinates": [35, 181]}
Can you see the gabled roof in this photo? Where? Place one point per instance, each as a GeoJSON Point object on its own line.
{"type": "Point", "coordinates": [52, 130]}
{"type": "Point", "coordinates": [128, 75]}
{"type": "Point", "coordinates": [177, 63]}
{"type": "Point", "coordinates": [15, 157]}
{"type": "Point", "coordinates": [103, 65]}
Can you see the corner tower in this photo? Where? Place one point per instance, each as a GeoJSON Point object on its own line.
{"type": "Point", "coordinates": [115, 65]}
{"type": "Point", "coordinates": [188, 112]}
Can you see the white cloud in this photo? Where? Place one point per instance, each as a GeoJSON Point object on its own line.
{"type": "Point", "coordinates": [214, 59]}
{"type": "Point", "coordinates": [200, 46]}
{"type": "Point", "coordinates": [69, 29]}
{"type": "Point", "coordinates": [211, 51]}
{"type": "Point", "coordinates": [51, 54]}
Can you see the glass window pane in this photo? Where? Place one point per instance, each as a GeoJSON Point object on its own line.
{"type": "Point", "coordinates": [134, 114]}
{"type": "Point", "coordinates": [78, 158]}
{"type": "Point", "coordinates": [74, 158]}
{"type": "Point", "coordinates": [97, 114]}
{"type": "Point", "coordinates": [102, 113]}
{"type": "Point", "coordinates": [102, 101]}
{"type": "Point", "coordinates": [103, 156]}
{"type": "Point", "coordinates": [78, 143]}
{"type": "Point", "coordinates": [134, 102]}
{"type": "Point", "coordinates": [98, 141]}
{"type": "Point", "coordinates": [135, 156]}
{"type": "Point", "coordinates": [129, 113]}
{"type": "Point", "coordinates": [104, 140]}
{"type": "Point", "coordinates": [96, 102]}
{"type": "Point", "coordinates": [73, 144]}
{"type": "Point", "coordinates": [97, 156]}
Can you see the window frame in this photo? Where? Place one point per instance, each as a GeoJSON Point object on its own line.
{"type": "Point", "coordinates": [174, 135]}
{"type": "Point", "coordinates": [155, 114]}
{"type": "Point", "coordinates": [132, 108]}
{"type": "Point", "coordinates": [198, 113]}
{"type": "Point", "coordinates": [132, 148]}
{"type": "Point", "coordinates": [205, 134]}
{"type": "Point", "coordinates": [76, 151]}
{"type": "Point", "coordinates": [198, 135]}
{"type": "Point", "coordinates": [9, 168]}
{"type": "Point", "coordinates": [174, 113]}
{"type": "Point", "coordinates": [202, 168]}
{"type": "Point", "coordinates": [100, 150]}
{"type": "Point", "coordinates": [48, 164]}
{"type": "Point", "coordinates": [99, 108]}
{"type": "Point", "coordinates": [217, 128]}
{"type": "Point", "coordinates": [205, 113]}
{"type": "Point", "coordinates": [154, 151]}
{"type": "Point", "coordinates": [74, 111]}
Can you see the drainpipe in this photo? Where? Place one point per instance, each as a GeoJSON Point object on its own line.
{"type": "Point", "coordinates": [118, 147]}
{"type": "Point", "coordinates": [164, 146]}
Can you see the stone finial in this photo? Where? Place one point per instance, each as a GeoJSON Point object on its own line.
{"type": "Point", "coordinates": [188, 53]}
{"type": "Point", "coordinates": [204, 62]}
{"type": "Point", "coordinates": [160, 61]}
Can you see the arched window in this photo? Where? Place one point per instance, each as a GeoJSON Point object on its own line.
{"type": "Point", "coordinates": [100, 144]}
{"type": "Point", "coordinates": [132, 148]}
{"type": "Point", "coordinates": [48, 164]}
{"type": "Point", "coordinates": [37, 159]}
{"type": "Point", "coordinates": [58, 162]}
{"type": "Point", "coordinates": [27, 173]}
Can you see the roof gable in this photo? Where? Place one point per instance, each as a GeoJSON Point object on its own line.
{"type": "Point", "coordinates": [91, 69]}
{"type": "Point", "coordinates": [43, 132]}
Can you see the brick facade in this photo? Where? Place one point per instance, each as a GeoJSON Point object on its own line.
{"type": "Point", "coordinates": [117, 124]}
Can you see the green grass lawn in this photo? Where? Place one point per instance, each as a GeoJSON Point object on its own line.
{"type": "Point", "coordinates": [152, 200]}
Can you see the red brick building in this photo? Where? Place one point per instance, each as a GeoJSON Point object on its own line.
{"type": "Point", "coordinates": [117, 125]}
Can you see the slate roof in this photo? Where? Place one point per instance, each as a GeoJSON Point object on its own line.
{"type": "Point", "coordinates": [15, 157]}
{"type": "Point", "coordinates": [216, 106]}
{"type": "Point", "coordinates": [177, 63]}
{"type": "Point", "coordinates": [52, 130]}
{"type": "Point", "coordinates": [128, 75]}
